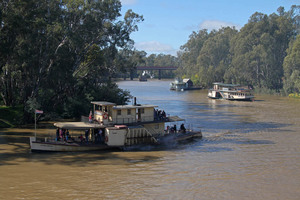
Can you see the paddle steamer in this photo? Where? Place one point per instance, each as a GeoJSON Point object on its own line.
{"type": "Point", "coordinates": [115, 126]}
{"type": "Point", "coordinates": [230, 92]}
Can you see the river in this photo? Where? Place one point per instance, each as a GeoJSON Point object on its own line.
{"type": "Point", "coordinates": [250, 150]}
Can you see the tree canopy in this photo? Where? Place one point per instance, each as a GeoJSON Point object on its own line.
{"type": "Point", "coordinates": [60, 55]}
{"type": "Point", "coordinates": [259, 54]}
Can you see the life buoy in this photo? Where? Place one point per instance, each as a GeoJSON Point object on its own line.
{"type": "Point", "coordinates": [106, 139]}
{"type": "Point", "coordinates": [105, 116]}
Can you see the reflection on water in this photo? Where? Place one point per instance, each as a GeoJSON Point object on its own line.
{"type": "Point", "coordinates": [250, 150]}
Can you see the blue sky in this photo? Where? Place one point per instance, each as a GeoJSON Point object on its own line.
{"type": "Point", "coordinates": [168, 24]}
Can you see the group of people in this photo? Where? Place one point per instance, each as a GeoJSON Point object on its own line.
{"type": "Point", "coordinates": [160, 114]}
{"type": "Point", "coordinates": [62, 134]}
{"type": "Point", "coordinates": [97, 136]}
{"type": "Point", "coordinates": [173, 129]}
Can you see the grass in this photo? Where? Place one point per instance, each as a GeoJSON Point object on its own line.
{"type": "Point", "coordinates": [10, 116]}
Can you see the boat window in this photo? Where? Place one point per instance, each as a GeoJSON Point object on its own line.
{"type": "Point", "coordinates": [142, 110]}
{"type": "Point", "coordinates": [119, 112]}
{"type": "Point", "coordinates": [128, 111]}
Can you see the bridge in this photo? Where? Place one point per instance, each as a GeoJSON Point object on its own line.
{"type": "Point", "coordinates": [159, 68]}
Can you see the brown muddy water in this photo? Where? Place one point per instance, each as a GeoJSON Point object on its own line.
{"type": "Point", "coordinates": [250, 150]}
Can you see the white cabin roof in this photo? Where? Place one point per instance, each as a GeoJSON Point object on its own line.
{"type": "Point", "coordinates": [77, 125]}
{"type": "Point", "coordinates": [225, 84]}
{"type": "Point", "coordinates": [103, 103]}
{"type": "Point", "coordinates": [185, 80]}
{"type": "Point", "coordinates": [119, 107]}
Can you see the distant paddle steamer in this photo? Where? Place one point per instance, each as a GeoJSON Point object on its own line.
{"type": "Point", "coordinates": [230, 92]}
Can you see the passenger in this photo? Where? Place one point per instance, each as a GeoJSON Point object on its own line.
{"type": "Point", "coordinates": [57, 134]}
{"type": "Point", "coordinates": [90, 117]}
{"type": "Point", "coordinates": [168, 129]}
{"type": "Point", "coordinates": [100, 135]}
{"type": "Point", "coordinates": [163, 115]}
{"type": "Point", "coordinates": [182, 128]}
{"type": "Point", "coordinates": [67, 135]}
{"type": "Point", "coordinates": [60, 134]}
{"type": "Point", "coordinates": [87, 133]}
{"type": "Point", "coordinates": [63, 134]}
{"type": "Point", "coordinates": [172, 130]}
{"type": "Point", "coordinates": [175, 128]}
{"type": "Point", "coordinates": [81, 138]}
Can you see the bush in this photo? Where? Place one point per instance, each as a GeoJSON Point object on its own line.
{"type": "Point", "coordinates": [295, 95]}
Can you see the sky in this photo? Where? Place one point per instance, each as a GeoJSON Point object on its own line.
{"type": "Point", "coordinates": [168, 24]}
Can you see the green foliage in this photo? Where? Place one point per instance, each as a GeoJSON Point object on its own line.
{"type": "Point", "coordinates": [252, 56]}
{"type": "Point", "coordinates": [206, 57]}
{"type": "Point", "coordinates": [58, 55]}
{"type": "Point", "coordinates": [291, 67]}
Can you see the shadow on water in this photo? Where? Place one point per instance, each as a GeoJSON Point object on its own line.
{"type": "Point", "coordinates": [78, 159]}
{"type": "Point", "coordinates": [132, 155]}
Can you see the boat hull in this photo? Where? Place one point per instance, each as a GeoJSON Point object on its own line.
{"type": "Point", "coordinates": [213, 97]}
{"type": "Point", "coordinates": [64, 146]}
{"type": "Point", "coordinates": [180, 137]}
{"type": "Point", "coordinates": [241, 99]}
{"type": "Point", "coordinates": [233, 99]}
{"type": "Point", "coordinates": [78, 147]}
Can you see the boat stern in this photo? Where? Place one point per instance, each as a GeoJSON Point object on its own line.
{"type": "Point", "coordinates": [32, 139]}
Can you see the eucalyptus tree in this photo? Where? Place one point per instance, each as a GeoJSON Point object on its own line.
{"type": "Point", "coordinates": [260, 47]}
{"type": "Point", "coordinates": [214, 58]}
{"type": "Point", "coordinates": [58, 52]}
{"type": "Point", "coordinates": [190, 52]}
{"type": "Point", "coordinates": [292, 67]}
{"type": "Point", "coordinates": [206, 56]}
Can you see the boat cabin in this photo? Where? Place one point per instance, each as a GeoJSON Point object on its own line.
{"type": "Point", "coordinates": [189, 83]}
{"type": "Point", "coordinates": [224, 86]}
{"type": "Point", "coordinates": [109, 113]}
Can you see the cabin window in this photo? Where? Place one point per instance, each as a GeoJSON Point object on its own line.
{"type": "Point", "coordinates": [119, 112]}
{"type": "Point", "coordinates": [142, 110]}
{"type": "Point", "coordinates": [128, 112]}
